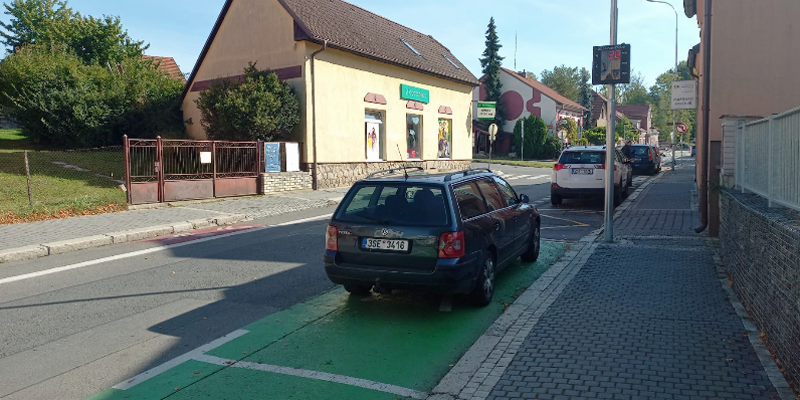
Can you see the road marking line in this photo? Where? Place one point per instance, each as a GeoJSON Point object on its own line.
{"type": "Point", "coordinates": [151, 250]}
{"type": "Point", "coordinates": [322, 376]}
{"type": "Point", "coordinates": [192, 355]}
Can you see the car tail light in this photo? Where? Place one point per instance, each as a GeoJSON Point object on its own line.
{"type": "Point", "coordinates": [558, 167]}
{"type": "Point", "coordinates": [332, 238]}
{"type": "Point", "coordinates": [615, 167]}
{"type": "Point", "coordinates": [451, 245]}
{"type": "Point", "coordinates": [650, 156]}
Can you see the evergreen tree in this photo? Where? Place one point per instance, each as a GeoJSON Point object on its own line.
{"type": "Point", "coordinates": [490, 63]}
{"type": "Point", "coordinates": [585, 98]}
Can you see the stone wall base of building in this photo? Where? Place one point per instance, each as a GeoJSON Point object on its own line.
{"type": "Point", "coordinates": [761, 253]}
{"type": "Point", "coordinates": [279, 182]}
{"type": "Point", "coordinates": [345, 174]}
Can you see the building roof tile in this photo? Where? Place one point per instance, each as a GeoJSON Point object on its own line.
{"type": "Point", "coordinates": [168, 65]}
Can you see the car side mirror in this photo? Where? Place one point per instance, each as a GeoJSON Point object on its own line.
{"type": "Point", "coordinates": [524, 199]}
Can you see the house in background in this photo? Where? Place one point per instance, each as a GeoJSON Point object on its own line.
{"type": "Point", "coordinates": [523, 96]}
{"type": "Point", "coordinates": [168, 65]}
{"type": "Point", "coordinates": [373, 94]}
{"type": "Point", "coordinates": [641, 116]}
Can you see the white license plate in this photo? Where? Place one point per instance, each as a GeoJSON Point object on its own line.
{"type": "Point", "coordinates": [384, 244]}
{"type": "Point", "coordinates": [582, 171]}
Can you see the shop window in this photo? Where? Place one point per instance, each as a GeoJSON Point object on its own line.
{"type": "Point", "coordinates": [445, 137]}
{"type": "Point", "coordinates": [375, 132]}
{"type": "Point", "coordinates": [414, 136]}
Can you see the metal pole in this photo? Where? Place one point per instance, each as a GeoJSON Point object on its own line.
{"type": "Point", "coordinates": [677, 77]}
{"type": "Point", "coordinates": [28, 175]}
{"type": "Point", "coordinates": [522, 142]}
{"type": "Point", "coordinates": [609, 172]}
{"type": "Point", "coordinates": [126, 155]}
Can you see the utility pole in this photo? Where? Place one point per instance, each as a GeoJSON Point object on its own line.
{"type": "Point", "coordinates": [610, 145]}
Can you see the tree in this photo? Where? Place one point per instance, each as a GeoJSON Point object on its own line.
{"type": "Point", "coordinates": [490, 64]}
{"type": "Point", "coordinates": [531, 75]}
{"type": "Point", "coordinates": [98, 41]}
{"type": "Point", "coordinates": [61, 102]}
{"type": "Point", "coordinates": [586, 97]}
{"type": "Point", "coordinates": [535, 135]}
{"type": "Point", "coordinates": [660, 94]}
{"type": "Point", "coordinates": [564, 80]}
{"type": "Point", "coordinates": [35, 22]}
{"type": "Point", "coordinates": [626, 130]}
{"type": "Point", "coordinates": [634, 92]}
{"type": "Point", "coordinates": [597, 136]}
{"type": "Point", "coordinates": [261, 107]}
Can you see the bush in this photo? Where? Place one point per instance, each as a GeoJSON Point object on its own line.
{"type": "Point", "coordinates": [261, 107]}
{"type": "Point", "coordinates": [535, 134]}
{"type": "Point", "coordinates": [597, 136]}
{"type": "Point", "coordinates": [551, 148]}
{"type": "Point", "coordinates": [61, 102]}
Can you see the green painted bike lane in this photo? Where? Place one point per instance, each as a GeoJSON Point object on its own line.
{"type": "Point", "coordinates": [329, 346]}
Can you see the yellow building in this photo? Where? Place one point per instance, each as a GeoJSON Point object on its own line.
{"type": "Point", "coordinates": [373, 93]}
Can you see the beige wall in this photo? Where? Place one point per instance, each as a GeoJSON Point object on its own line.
{"type": "Point", "coordinates": [754, 60]}
{"type": "Point", "coordinates": [260, 31]}
{"type": "Point", "coordinates": [343, 80]}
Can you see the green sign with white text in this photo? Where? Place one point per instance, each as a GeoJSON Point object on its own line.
{"type": "Point", "coordinates": [408, 92]}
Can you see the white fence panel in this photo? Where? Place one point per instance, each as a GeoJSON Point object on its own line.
{"type": "Point", "coordinates": [768, 153]}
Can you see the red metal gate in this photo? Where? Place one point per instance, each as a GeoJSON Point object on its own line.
{"type": "Point", "coordinates": [166, 170]}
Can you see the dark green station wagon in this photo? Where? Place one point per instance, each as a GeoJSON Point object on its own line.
{"type": "Point", "coordinates": [443, 233]}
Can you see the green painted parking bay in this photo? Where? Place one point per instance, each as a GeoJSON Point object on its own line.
{"type": "Point", "coordinates": [338, 346]}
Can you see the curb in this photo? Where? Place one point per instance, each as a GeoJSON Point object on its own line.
{"type": "Point", "coordinates": [132, 235]}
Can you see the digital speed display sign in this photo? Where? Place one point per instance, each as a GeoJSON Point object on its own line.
{"type": "Point", "coordinates": [611, 64]}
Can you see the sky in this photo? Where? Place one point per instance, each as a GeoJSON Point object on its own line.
{"type": "Point", "coordinates": [549, 32]}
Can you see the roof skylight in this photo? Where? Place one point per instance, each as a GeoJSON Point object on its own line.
{"type": "Point", "coordinates": [451, 61]}
{"type": "Point", "coordinates": [410, 47]}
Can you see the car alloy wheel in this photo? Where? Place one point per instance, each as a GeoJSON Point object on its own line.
{"type": "Point", "coordinates": [484, 287]}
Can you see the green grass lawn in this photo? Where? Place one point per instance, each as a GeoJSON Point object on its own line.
{"type": "Point", "coordinates": [13, 139]}
{"type": "Point", "coordinates": [55, 187]}
{"type": "Point", "coordinates": [532, 164]}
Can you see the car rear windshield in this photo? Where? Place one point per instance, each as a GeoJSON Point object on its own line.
{"type": "Point", "coordinates": [395, 204]}
{"type": "Point", "coordinates": [640, 151]}
{"type": "Point", "coordinates": [582, 157]}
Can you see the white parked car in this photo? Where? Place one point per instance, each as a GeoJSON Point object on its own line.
{"type": "Point", "coordinates": [580, 172]}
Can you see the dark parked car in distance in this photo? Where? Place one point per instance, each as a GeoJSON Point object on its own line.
{"type": "Point", "coordinates": [443, 233]}
{"type": "Point", "coordinates": [645, 159]}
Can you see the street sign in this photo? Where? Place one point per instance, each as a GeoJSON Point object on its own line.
{"type": "Point", "coordinates": [492, 132]}
{"type": "Point", "coordinates": [681, 128]}
{"type": "Point", "coordinates": [611, 64]}
{"type": "Point", "coordinates": [487, 110]}
{"type": "Point", "coordinates": [684, 95]}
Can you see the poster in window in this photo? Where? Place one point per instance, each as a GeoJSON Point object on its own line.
{"type": "Point", "coordinates": [414, 136]}
{"type": "Point", "coordinates": [373, 140]}
{"type": "Point", "coordinates": [445, 137]}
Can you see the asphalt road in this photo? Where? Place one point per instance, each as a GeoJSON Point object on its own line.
{"type": "Point", "coordinates": [71, 334]}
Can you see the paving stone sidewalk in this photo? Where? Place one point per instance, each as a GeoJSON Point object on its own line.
{"type": "Point", "coordinates": [35, 239]}
{"type": "Point", "coordinates": [648, 316]}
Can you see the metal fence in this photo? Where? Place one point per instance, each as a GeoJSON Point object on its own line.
{"type": "Point", "coordinates": [53, 181]}
{"type": "Point", "coordinates": [165, 170]}
{"type": "Point", "coordinates": [768, 158]}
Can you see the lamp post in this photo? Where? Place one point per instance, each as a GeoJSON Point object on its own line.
{"type": "Point", "coordinates": [672, 134]}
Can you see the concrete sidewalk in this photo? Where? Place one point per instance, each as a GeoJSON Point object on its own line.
{"type": "Point", "coordinates": [43, 238]}
{"type": "Point", "coordinates": [648, 316]}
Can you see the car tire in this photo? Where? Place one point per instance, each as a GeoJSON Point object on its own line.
{"type": "Point", "coordinates": [359, 290]}
{"type": "Point", "coordinates": [483, 292]}
{"type": "Point", "coordinates": [555, 199]}
{"type": "Point", "coordinates": [532, 254]}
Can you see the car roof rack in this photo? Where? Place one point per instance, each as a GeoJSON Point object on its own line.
{"type": "Point", "coordinates": [393, 170]}
{"type": "Point", "coordinates": [467, 172]}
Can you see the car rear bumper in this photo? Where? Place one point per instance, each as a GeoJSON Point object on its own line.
{"type": "Point", "coordinates": [449, 276]}
{"type": "Point", "coordinates": [648, 166]}
{"type": "Point", "coordinates": [576, 192]}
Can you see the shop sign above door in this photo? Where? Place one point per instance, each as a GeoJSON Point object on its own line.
{"type": "Point", "coordinates": [408, 92]}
